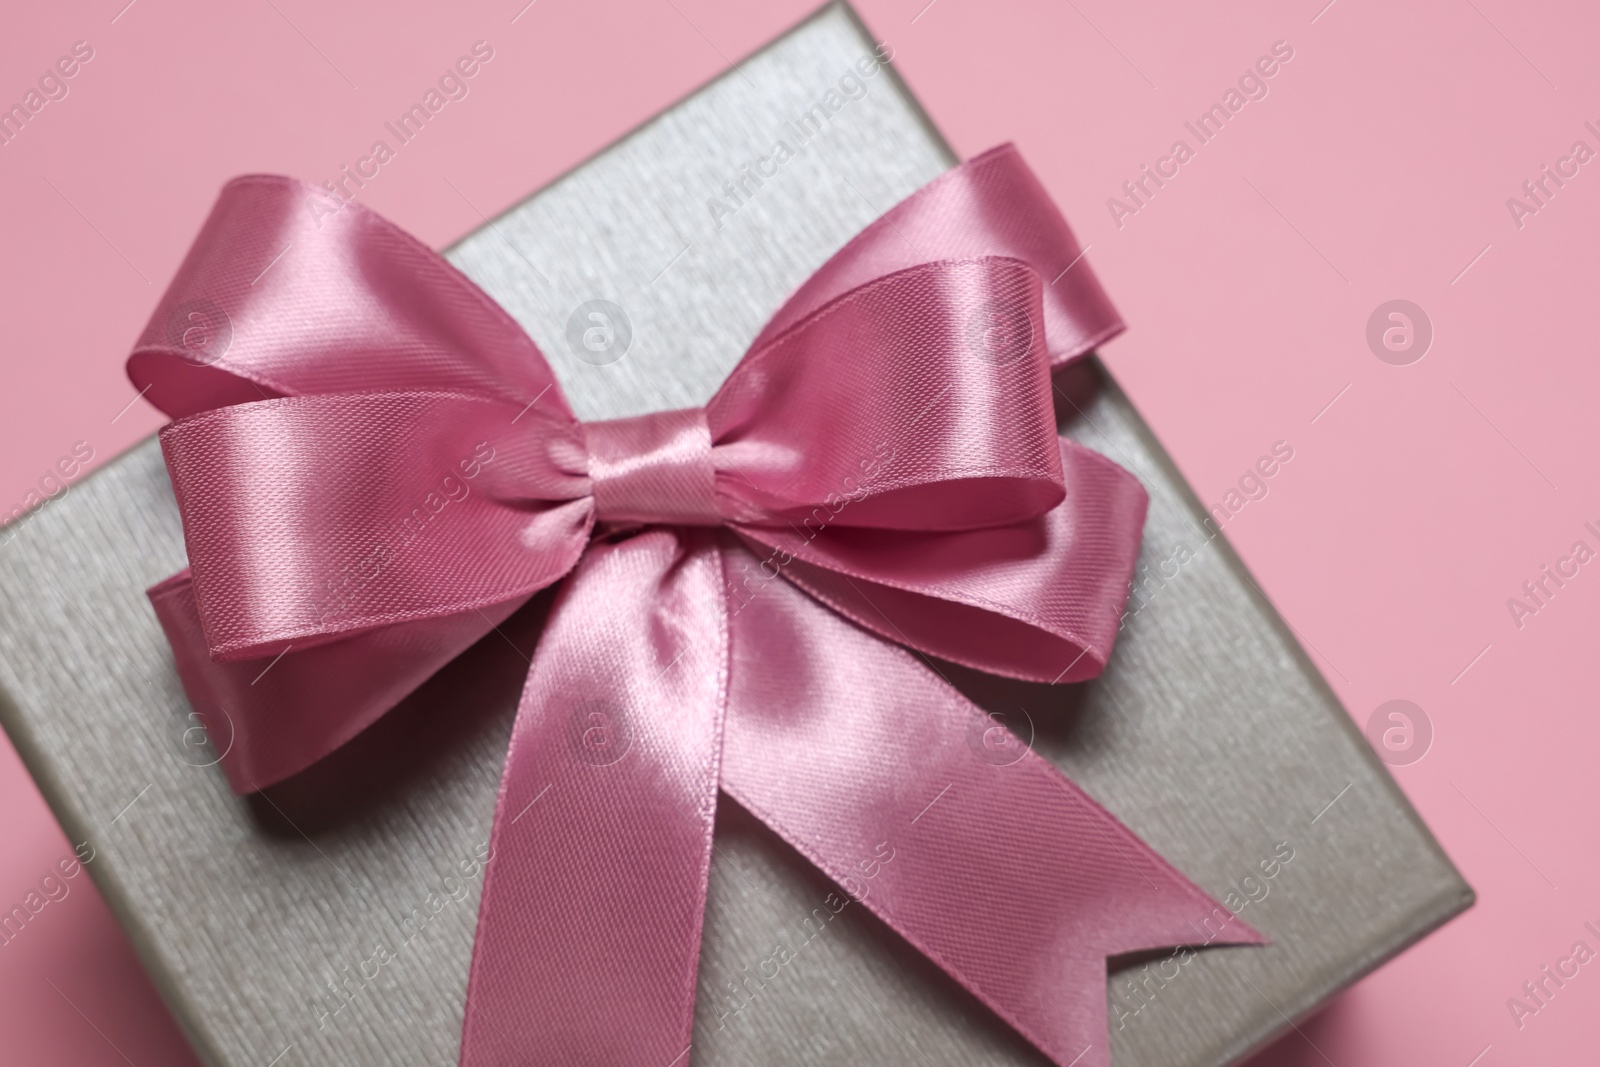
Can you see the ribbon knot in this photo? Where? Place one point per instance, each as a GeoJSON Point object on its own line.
{"type": "Point", "coordinates": [377, 468]}
{"type": "Point", "coordinates": [654, 468]}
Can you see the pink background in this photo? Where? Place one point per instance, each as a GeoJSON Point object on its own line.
{"type": "Point", "coordinates": [1377, 167]}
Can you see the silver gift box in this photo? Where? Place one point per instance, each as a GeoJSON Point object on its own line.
{"type": "Point", "coordinates": [331, 920]}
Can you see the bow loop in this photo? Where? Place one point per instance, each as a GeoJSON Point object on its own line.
{"type": "Point", "coordinates": [921, 400]}
{"type": "Point", "coordinates": [992, 204]}
{"type": "Point", "coordinates": [1039, 600]}
{"type": "Point", "coordinates": [282, 294]}
{"type": "Point", "coordinates": [308, 518]}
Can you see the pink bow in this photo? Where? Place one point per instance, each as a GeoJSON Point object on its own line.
{"type": "Point", "coordinates": [375, 467]}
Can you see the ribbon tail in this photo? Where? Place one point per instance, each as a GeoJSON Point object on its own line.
{"type": "Point", "coordinates": [589, 928]}
{"type": "Point", "coordinates": [977, 851]}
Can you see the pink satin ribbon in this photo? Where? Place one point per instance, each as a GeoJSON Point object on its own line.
{"type": "Point", "coordinates": [375, 467]}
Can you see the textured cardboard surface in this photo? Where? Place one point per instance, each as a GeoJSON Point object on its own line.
{"type": "Point", "coordinates": [1211, 735]}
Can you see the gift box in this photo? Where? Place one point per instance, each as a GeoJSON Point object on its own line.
{"type": "Point", "coordinates": [331, 918]}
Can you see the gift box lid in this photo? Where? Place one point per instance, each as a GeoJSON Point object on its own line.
{"type": "Point", "coordinates": [331, 920]}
